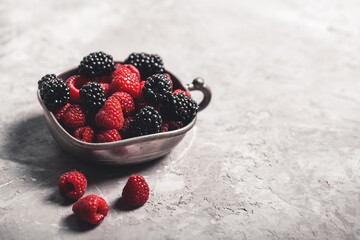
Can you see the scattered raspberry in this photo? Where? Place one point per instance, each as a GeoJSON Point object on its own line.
{"type": "Point", "coordinates": [85, 134]}
{"type": "Point", "coordinates": [124, 131]}
{"type": "Point", "coordinates": [74, 117]}
{"type": "Point", "coordinates": [75, 83]}
{"type": "Point", "coordinates": [91, 209]}
{"type": "Point", "coordinates": [108, 136]}
{"type": "Point", "coordinates": [126, 102]}
{"type": "Point", "coordinates": [110, 116]}
{"type": "Point", "coordinates": [72, 185]}
{"type": "Point", "coordinates": [59, 114]}
{"type": "Point", "coordinates": [125, 81]}
{"type": "Point", "coordinates": [136, 191]}
{"type": "Point", "coordinates": [179, 91]}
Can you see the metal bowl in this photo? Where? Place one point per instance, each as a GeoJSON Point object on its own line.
{"type": "Point", "coordinates": [128, 151]}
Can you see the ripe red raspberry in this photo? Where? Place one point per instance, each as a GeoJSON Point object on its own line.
{"type": "Point", "coordinates": [140, 97]}
{"type": "Point", "coordinates": [91, 209]}
{"type": "Point", "coordinates": [85, 134]}
{"type": "Point", "coordinates": [59, 113]}
{"type": "Point", "coordinates": [179, 91]}
{"type": "Point", "coordinates": [75, 83]}
{"type": "Point", "coordinates": [126, 102]}
{"type": "Point", "coordinates": [124, 131]}
{"type": "Point", "coordinates": [125, 81]}
{"type": "Point", "coordinates": [110, 116]}
{"type": "Point", "coordinates": [74, 117]}
{"type": "Point", "coordinates": [72, 185]}
{"type": "Point", "coordinates": [108, 136]}
{"type": "Point", "coordinates": [136, 191]}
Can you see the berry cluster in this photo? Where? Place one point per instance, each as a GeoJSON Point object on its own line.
{"type": "Point", "coordinates": [107, 101]}
{"type": "Point", "coordinates": [92, 208]}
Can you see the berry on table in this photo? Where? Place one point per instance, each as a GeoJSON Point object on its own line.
{"type": "Point", "coordinates": [136, 191]}
{"type": "Point", "coordinates": [72, 185]}
{"type": "Point", "coordinates": [91, 209]}
{"type": "Point", "coordinates": [96, 64]}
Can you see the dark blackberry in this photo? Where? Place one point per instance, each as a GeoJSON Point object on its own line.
{"type": "Point", "coordinates": [92, 96]}
{"type": "Point", "coordinates": [146, 121]}
{"type": "Point", "coordinates": [180, 108]}
{"type": "Point", "coordinates": [96, 64]}
{"type": "Point", "coordinates": [46, 78]}
{"type": "Point", "coordinates": [157, 89]}
{"type": "Point", "coordinates": [147, 64]}
{"type": "Point", "coordinates": [54, 92]}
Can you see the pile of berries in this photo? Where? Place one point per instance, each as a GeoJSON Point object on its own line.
{"type": "Point", "coordinates": [107, 101]}
{"type": "Point", "coordinates": [92, 208]}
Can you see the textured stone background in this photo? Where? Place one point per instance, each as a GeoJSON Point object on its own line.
{"type": "Point", "coordinates": [276, 155]}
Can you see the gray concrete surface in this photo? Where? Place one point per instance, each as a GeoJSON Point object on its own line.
{"type": "Point", "coordinates": [276, 155]}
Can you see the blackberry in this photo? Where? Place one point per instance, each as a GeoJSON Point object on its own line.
{"type": "Point", "coordinates": [54, 92]}
{"type": "Point", "coordinates": [157, 89]}
{"type": "Point", "coordinates": [96, 64]}
{"type": "Point", "coordinates": [146, 121]}
{"type": "Point", "coordinates": [92, 96]}
{"type": "Point", "coordinates": [147, 64]}
{"type": "Point", "coordinates": [46, 78]}
{"type": "Point", "coordinates": [180, 108]}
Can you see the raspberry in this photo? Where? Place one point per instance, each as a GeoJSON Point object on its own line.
{"type": "Point", "coordinates": [125, 81]}
{"type": "Point", "coordinates": [179, 91]}
{"type": "Point", "coordinates": [72, 185]}
{"type": "Point", "coordinates": [136, 191]}
{"type": "Point", "coordinates": [126, 102]}
{"type": "Point", "coordinates": [157, 89]}
{"type": "Point", "coordinates": [54, 93]}
{"type": "Point", "coordinates": [108, 136]}
{"type": "Point", "coordinates": [85, 134]}
{"type": "Point", "coordinates": [124, 131]}
{"type": "Point", "coordinates": [59, 114]}
{"type": "Point", "coordinates": [96, 64]}
{"type": "Point", "coordinates": [92, 96]}
{"type": "Point", "coordinates": [75, 83]}
{"type": "Point", "coordinates": [147, 64]}
{"type": "Point", "coordinates": [74, 117]}
{"type": "Point", "coordinates": [91, 209]}
{"type": "Point", "coordinates": [180, 108]}
{"type": "Point", "coordinates": [140, 97]}
{"type": "Point", "coordinates": [145, 122]}
{"type": "Point", "coordinates": [110, 116]}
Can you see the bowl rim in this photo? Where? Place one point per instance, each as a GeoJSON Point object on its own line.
{"type": "Point", "coordinates": [55, 125]}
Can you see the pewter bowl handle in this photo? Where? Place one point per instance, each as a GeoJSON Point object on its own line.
{"type": "Point", "coordinates": [199, 84]}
